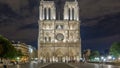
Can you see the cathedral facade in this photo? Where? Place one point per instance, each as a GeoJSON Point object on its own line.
{"type": "Point", "coordinates": [59, 40]}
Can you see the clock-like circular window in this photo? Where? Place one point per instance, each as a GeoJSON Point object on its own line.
{"type": "Point", "coordinates": [59, 37]}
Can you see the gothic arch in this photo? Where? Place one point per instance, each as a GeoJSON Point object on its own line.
{"type": "Point", "coordinates": [59, 52]}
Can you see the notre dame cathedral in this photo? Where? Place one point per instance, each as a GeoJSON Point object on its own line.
{"type": "Point", "coordinates": [59, 37]}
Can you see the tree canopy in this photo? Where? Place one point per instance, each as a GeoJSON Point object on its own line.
{"type": "Point", "coordinates": [94, 54]}
{"type": "Point", "coordinates": [6, 48]}
{"type": "Point", "coordinates": [115, 49]}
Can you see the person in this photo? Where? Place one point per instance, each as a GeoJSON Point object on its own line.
{"type": "Point", "coordinates": [5, 63]}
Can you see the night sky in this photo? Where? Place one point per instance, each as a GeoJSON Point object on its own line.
{"type": "Point", "coordinates": [100, 22]}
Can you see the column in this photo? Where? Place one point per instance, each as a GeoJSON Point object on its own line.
{"type": "Point", "coordinates": [66, 13]}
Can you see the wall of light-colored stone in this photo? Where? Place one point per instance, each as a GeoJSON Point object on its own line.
{"type": "Point", "coordinates": [49, 47]}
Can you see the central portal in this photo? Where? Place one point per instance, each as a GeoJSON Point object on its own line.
{"type": "Point", "coordinates": [60, 59]}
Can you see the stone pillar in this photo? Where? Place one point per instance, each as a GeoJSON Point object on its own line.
{"type": "Point", "coordinates": [66, 15]}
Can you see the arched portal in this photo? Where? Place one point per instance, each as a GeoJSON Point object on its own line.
{"type": "Point", "coordinates": [59, 54]}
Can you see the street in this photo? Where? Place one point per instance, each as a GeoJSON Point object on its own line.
{"type": "Point", "coordinates": [58, 65]}
{"type": "Point", "coordinates": [61, 65]}
{"type": "Point", "coordinates": [91, 65]}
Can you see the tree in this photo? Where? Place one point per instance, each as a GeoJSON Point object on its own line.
{"type": "Point", "coordinates": [1, 49]}
{"type": "Point", "coordinates": [86, 54]}
{"type": "Point", "coordinates": [115, 49]}
{"type": "Point", "coordinates": [6, 48]}
{"type": "Point", "coordinates": [2, 46]}
{"type": "Point", "coordinates": [19, 53]}
{"type": "Point", "coordinates": [94, 54]}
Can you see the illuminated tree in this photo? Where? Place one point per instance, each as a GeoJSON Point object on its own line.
{"type": "Point", "coordinates": [115, 49]}
{"type": "Point", "coordinates": [94, 54]}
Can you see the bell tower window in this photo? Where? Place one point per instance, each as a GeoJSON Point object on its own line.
{"type": "Point", "coordinates": [49, 12]}
{"type": "Point", "coordinates": [45, 13]}
{"type": "Point", "coordinates": [69, 14]}
{"type": "Point", "coordinates": [72, 13]}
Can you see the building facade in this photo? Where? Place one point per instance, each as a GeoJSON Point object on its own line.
{"type": "Point", "coordinates": [23, 48]}
{"type": "Point", "coordinates": [59, 40]}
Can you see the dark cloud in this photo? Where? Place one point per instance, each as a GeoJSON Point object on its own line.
{"type": "Point", "coordinates": [107, 25]}
{"type": "Point", "coordinates": [95, 8]}
{"type": "Point", "coordinates": [30, 26]}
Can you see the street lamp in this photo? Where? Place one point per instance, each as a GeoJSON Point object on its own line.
{"type": "Point", "coordinates": [109, 57]}
{"type": "Point", "coordinates": [102, 57]}
{"type": "Point", "coordinates": [18, 58]}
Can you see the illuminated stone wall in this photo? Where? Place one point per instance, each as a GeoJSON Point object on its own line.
{"type": "Point", "coordinates": [59, 40]}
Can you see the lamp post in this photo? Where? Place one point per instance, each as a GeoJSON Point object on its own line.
{"type": "Point", "coordinates": [102, 59]}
